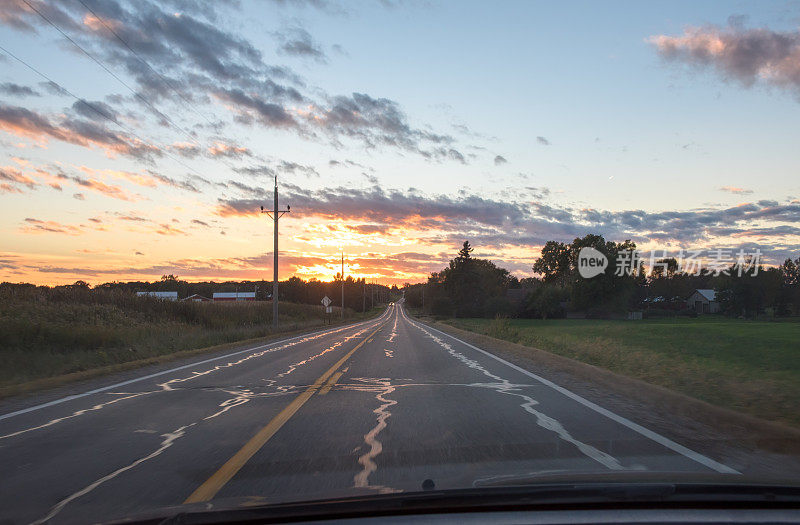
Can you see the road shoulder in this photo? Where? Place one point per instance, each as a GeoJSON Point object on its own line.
{"type": "Point", "coordinates": [746, 443]}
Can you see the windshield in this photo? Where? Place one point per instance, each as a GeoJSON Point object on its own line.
{"type": "Point", "coordinates": [255, 252]}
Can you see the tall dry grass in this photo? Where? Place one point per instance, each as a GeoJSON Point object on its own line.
{"type": "Point", "coordinates": [46, 332]}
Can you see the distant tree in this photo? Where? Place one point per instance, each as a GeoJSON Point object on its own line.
{"type": "Point", "coordinates": [464, 254]}
{"type": "Point", "coordinates": [554, 263]}
{"type": "Point", "coordinates": [545, 302]}
{"type": "Point", "coordinates": [468, 284]}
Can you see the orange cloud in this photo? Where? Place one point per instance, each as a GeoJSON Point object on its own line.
{"type": "Point", "coordinates": [23, 122]}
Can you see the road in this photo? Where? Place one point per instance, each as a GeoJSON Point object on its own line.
{"type": "Point", "coordinates": [374, 407]}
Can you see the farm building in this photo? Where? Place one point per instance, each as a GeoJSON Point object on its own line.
{"type": "Point", "coordinates": [703, 302]}
{"type": "Point", "coordinates": [196, 298]}
{"type": "Point", "coordinates": [167, 296]}
{"type": "Point", "coordinates": [234, 296]}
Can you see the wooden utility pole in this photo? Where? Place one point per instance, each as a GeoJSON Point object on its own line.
{"type": "Point", "coordinates": [342, 285]}
{"type": "Point", "coordinates": [275, 214]}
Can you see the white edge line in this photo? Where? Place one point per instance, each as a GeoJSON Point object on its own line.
{"type": "Point", "coordinates": [658, 438]}
{"type": "Point", "coordinates": [163, 372]}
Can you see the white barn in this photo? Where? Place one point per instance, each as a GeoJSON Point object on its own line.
{"type": "Point", "coordinates": [703, 301]}
{"type": "Point", "coordinates": [167, 296]}
{"type": "Point", "coordinates": [234, 296]}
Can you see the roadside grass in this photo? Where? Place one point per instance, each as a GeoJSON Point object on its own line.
{"type": "Point", "coordinates": [45, 333]}
{"type": "Point", "coordinates": [747, 366]}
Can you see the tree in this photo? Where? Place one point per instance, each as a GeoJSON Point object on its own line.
{"type": "Point", "coordinates": [554, 263]}
{"type": "Point", "coordinates": [464, 253]}
{"type": "Point", "coordinates": [469, 285]}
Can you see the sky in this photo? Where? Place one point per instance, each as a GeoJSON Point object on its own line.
{"type": "Point", "coordinates": [141, 138]}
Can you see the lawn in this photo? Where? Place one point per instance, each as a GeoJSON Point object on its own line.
{"type": "Point", "coordinates": [47, 333]}
{"type": "Point", "coordinates": [748, 366]}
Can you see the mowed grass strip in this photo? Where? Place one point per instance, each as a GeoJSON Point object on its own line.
{"type": "Point", "coordinates": [47, 333]}
{"type": "Point", "coordinates": [747, 366]}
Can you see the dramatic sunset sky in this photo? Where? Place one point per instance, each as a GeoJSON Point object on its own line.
{"type": "Point", "coordinates": [397, 130]}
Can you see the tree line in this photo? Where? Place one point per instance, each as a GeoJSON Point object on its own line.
{"type": "Point", "coordinates": [359, 295]}
{"type": "Point", "coordinates": [473, 287]}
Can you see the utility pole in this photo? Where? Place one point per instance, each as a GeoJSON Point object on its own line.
{"type": "Point", "coordinates": [275, 214]}
{"type": "Point", "coordinates": [342, 285]}
{"type": "Point", "coordinates": [364, 296]}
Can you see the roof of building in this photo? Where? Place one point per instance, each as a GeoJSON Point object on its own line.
{"type": "Point", "coordinates": [159, 294]}
{"type": "Point", "coordinates": [233, 295]}
{"type": "Point", "coordinates": [709, 294]}
{"type": "Point", "coordinates": [197, 296]}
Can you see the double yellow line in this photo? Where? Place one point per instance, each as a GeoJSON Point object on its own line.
{"type": "Point", "coordinates": [212, 485]}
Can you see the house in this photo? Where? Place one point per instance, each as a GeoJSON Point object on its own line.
{"type": "Point", "coordinates": [703, 301]}
{"type": "Point", "coordinates": [234, 296]}
{"type": "Point", "coordinates": [196, 298]}
{"type": "Point", "coordinates": [166, 296]}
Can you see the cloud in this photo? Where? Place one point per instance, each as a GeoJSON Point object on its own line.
{"type": "Point", "coordinates": [224, 149]}
{"type": "Point", "coordinates": [94, 110]}
{"type": "Point", "coordinates": [444, 219]}
{"type": "Point", "coordinates": [32, 225]}
{"type": "Point", "coordinates": [26, 123]}
{"type": "Point", "coordinates": [166, 229]}
{"type": "Point", "coordinates": [736, 53]}
{"type": "Point", "coordinates": [109, 190]}
{"type": "Point", "coordinates": [79, 196]}
{"type": "Point", "coordinates": [199, 59]}
{"type": "Point", "coordinates": [295, 168]}
{"type": "Point", "coordinates": [252, 108]}
{"type": "Point", "coordinates": [298, 42]}
{"type": "Point", "coordinates": [11, 176]}
{"type": "Point", "coordinates": [15, 90]}
{"type": "Point", "coordinates": [736, 190]}
{"type": "Point", "coordinates": [499, 160]}
{"type": "Point", "coordinates": [542, 140]}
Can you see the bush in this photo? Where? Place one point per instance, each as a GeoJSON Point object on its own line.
{"type": "Point", "coordinates": [498, 306]}
{"type": "Point", "coordinates": [545, 302]}
{"type": "Point", "coordinates": [442, 306]}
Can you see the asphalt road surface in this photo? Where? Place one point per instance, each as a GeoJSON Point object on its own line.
{"type": "Point", "coordinates": [374, 407]}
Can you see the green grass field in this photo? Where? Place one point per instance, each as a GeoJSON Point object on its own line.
{"type": "Point", "coordinates": [48, 333]}
{"type": "Point", "coordinates": [748, 366]}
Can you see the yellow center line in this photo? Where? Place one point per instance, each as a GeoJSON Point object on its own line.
{"type": "Point", "coordinates": [332, 381]}
{"type": "Point", "coordinates": [212, 485]}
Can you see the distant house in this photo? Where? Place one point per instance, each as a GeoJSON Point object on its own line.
{"type": "Point", "coordinates": [703, 301]}
{"type": "Point", "coordinates": [234, 296]}
{"type": "Point", "coordinates": [166, 296]}
{"type": "Point", "coordinates": [196, 298]}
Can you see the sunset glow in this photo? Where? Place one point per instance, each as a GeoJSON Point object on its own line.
{"type": "Point", "coordinates": [100, 182]}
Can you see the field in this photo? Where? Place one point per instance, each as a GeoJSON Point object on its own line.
{"type": "Point", "coordinates": [748, 366]}
{"type": "Point", "coordinates": [46, 333]}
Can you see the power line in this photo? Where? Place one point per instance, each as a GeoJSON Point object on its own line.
{"type": "Point", "coordinates": [143, 61]}
{"type": "Point", "coordinates": [105, 68]}
{"type": "Point", "coordinates": [97, 110]}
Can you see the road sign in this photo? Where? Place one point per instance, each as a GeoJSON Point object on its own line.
{"type": "Point", "coordinates": [326, 301]}
{"type": "Point", "coordinates": [328, 309]}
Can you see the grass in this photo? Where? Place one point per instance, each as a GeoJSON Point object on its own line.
{"type": "Point", "coordinates": [747, 366]}
{"type": "Point", "coordinates": [48, 333]}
